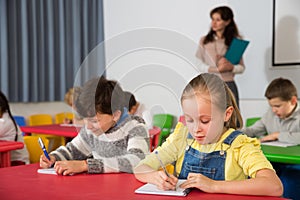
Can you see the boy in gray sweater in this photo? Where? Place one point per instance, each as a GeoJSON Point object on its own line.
{"type": "Point", "coordinates": [282, 123]}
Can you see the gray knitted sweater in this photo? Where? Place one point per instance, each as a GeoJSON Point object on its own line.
{"type": "Point", "coordinates": [118, 150]}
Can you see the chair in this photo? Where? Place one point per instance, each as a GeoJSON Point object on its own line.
{"type": "Point", "coordinates": [40, 119]}
{"type": "Point", "coordinates": [165, 123]}
{"type": "Point", "coordinates": [33, 147]}
{"type": "Point", "coordinates": [251, 121]}
{"type": "Point", "coordinates": [20, 120]}
{"type": "Point", "coordinates": [182, 119]}
{"type": "Point", "coordinates": [46, 119]}
{"type": "Point", "coordinates": [154, 135]}
{"type": "Point", "coordinates": [60, 117]}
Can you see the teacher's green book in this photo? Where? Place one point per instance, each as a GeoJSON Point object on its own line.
{"type": "Point", "coordinates": [236, 50]}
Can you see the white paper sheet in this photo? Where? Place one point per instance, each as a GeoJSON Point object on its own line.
{"type": "Point", "coordinates": [152, 189]}
{"type": "Point", "coordinates": [47, 171]}
{"type": "Point", "coordinates": [278, 144]}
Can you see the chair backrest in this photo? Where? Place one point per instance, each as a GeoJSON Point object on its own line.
{"type": "Point", "coordinates": [182, 119]}
{"type": "Point", "coordinates": [40, 119]}
{"type": "Point", "coordinates": [46, 119]}
{"type": "Point", "coordinates": [20, 120]}
{"type": "Point", "coordinates": [251, 121]}
{"type": "Point", "coordinates": [60, 117]}
{"type": "Point", "coordinates": [33, 148]}
{"type": "Point", "coordinates": [163, 121]}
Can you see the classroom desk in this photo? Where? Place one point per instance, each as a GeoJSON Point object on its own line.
{"type": "Point", "coordinates": [23, 182]}
{"type": "Point", "coordinates": [5, 148]}
{"type": "Point", "coordinates": [53, 129]}
{"type": "Point", "coordinates": [289, 155]}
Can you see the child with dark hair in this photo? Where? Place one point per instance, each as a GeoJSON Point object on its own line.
{"type": "Point", "coordinates": [132, 103]}
{"type": "Point", "coordinates": [9, 130]}
{"type": "Point", "coordinates": [137, 108]}
{"type": "Point", "coordinates": [110, 141]}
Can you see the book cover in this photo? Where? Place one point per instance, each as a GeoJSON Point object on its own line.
{"type": "Point", "coordinates": [236, 50]}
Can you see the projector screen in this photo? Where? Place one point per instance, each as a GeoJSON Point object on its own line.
{"type": "Point", "coordinates": [286, 33]}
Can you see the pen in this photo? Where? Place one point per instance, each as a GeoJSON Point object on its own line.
{"type": "Point", "coordinates": [161, 164]}
{"type": "Point", "coordinates": [43, 148]}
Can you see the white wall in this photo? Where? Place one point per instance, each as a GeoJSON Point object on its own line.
{"type": "Point", "coordinates": [287, 20]}
{"type": "Point", "coordinates": [157, 75]}
{"type": "Point", "coordinates": [150, 47]}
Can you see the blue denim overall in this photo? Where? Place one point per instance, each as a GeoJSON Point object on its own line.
{"type": "Point", "coordinates": [211, 164]}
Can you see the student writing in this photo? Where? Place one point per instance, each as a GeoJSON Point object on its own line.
{"type": "Point", "coordinates": [281, 122]}
{"type": "Point", "coordinates": [208, 151]}
{"type": "Point", "coordinates": [110, 141]}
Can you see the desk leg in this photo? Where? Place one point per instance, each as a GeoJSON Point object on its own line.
{"type": "Point", "coordinates": [5, 159]}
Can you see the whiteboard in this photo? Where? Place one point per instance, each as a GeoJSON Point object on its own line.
{"type": "Point", "coordinates": [286, 32]}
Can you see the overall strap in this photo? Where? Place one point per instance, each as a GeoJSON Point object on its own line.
{"type": "Point", "coordinates": [231, 137]}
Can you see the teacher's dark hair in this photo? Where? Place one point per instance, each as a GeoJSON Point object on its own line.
{"type": "Point", "coordinates": [231, 30]}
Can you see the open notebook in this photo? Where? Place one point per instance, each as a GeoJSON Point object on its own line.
{"type": "Point", "coordinates": [152, 189]}
{"type": "Point", "coordinates": [47, 171]}
{"type": "Point", "coordinates": [278, 144]}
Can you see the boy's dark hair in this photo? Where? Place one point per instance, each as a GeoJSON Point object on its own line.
{"type": "Point", "coordinates": [99, 95]}
{"type": "Point", "coordinates": [281, 88]}
{"type": "Point", "coordinates": [130, 100]}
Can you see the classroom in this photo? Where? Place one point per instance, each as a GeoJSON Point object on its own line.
{"type": "Point", "coordinates": [149, 48]}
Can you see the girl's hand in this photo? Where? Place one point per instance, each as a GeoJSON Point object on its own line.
{"type": "Point", "coordinates": [45, 163]}
{"type": "Point", "coordinates": [69, 167]}
{"type": "Point", "coordinates": [146, 174]}
{"type": "Point", "coordinates": [163, 182]}
{"type": "Point", "coordinates": [199, 181]}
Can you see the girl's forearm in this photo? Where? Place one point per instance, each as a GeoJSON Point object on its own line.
{"type": "Point", "coordinates": [265, 183]}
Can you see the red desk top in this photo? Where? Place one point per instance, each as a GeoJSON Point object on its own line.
{"type": "Point", "coordinates": [53, 129]}
{"type": "Point", "coordinates": [23, 182]}
{"type": "Point", "coordinates": [10, 145]}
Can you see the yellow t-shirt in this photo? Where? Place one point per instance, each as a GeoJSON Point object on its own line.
{"type": "Point", "coordinates": [244, 156]}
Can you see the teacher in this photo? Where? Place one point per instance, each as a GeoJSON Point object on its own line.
{"type": "Point", "coordinates": [213, 46]}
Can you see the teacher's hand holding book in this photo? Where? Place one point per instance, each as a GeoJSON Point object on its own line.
{"type": "Point", "coordinates": [224, 65]}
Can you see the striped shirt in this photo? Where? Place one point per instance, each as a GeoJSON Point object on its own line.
{"type": "Point", "coordinates": [120, 149]}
